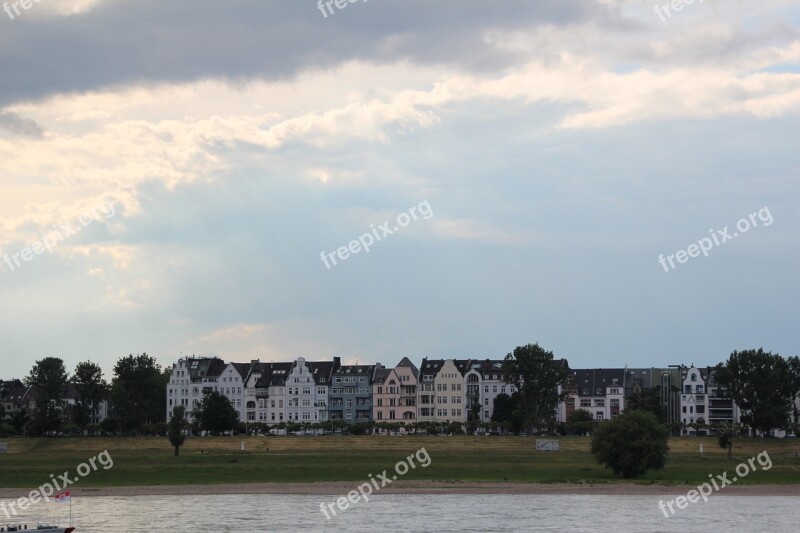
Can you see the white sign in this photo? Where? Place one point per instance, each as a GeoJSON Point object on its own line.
{"type": "Point", "coordinates": [549, 445]}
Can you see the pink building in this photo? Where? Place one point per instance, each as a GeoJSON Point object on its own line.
{"type": "Point", "coordinates": [394, 393]}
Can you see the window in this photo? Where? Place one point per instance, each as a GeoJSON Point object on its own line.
{"type": "Point", "coordinates": [599, 415]}
{"type": "Point", "coordinates": [701, 409]}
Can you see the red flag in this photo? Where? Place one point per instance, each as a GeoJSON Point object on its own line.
{"type": "Point", "coordinates": [62, 497]}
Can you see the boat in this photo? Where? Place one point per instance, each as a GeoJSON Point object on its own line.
{"type": "Point", "coordinates": [22, 528]}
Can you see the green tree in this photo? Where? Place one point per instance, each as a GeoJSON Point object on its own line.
{"type": "Point", "coordinates": [762, 385]}
{"type": "Point", "coordinates": [631, 443]}
{"type": "Point", "coordinates": [647, 400]}
{"type": "Point", "coordinates": [177, 425]}
{"type": "Point", "coordinates": [579, 422]}
{"type": "Point", "coordinates": [18, 420]}
{"type": "Point", "coordinates": [138, 391]}
{"type": "Point", "coordinates": [91, 388]}
{"type": "Point", "coordinates": [506, 413]}
{"type": "Point", "coordinates": [2, 412]}
{"type": "Point", "coordinates": [216, 414]}
{"type": "Point", "coordinates": [49, 377]}
{"type": "Point", "coordinates": [473, 418]}
{"type": "Point", "coordinates": [532, 371]}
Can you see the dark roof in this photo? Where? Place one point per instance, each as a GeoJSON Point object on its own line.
{"type": "Point", "coordinates": [354, 369]}
{"type": "Point", "coordinates": [488, 367]}
{"type": "Point", "coordinates": [16, 391]}
{"type": "Point", "coordinates": [430, 367]}
{"type": "Point", "coordinates": [593, 381]}
{"type": "Point", "coordinates": [243, 369]}
{"type": "Point", "coordinates": [205, 367]}
{"type": "Point", "coordinates": [381, 373]}
{"type": "Point", "coordinates": [273, 374]}
{"type": "Point", "coordinates": [406, 362]}
{"type": "Point", "coordinates": [321, 371]}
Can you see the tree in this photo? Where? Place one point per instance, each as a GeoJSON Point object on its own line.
{"type": "Point", "coordinates": [726, 443]}
{"type": "Point", "coordinates": [177, 425]}
{"type": "Point", "coordinates": [647, 400]}
{"type": "Point", "coordinates": [49, 377]}
{"type": "Point", "coordinates": [19, 420]}
{"type": "Point", "coordinates": [473, 418]}
{"type": "Point", "coordinates": [579, 422]}
{"type": "Point", "coordinates": [2, 412]}
{"type": "Point", "coordinates": [532, 371]}
{"type": "Point", "coordinates": [216, 414]}
{"type": "Point", "coordinates": [138, 391]}
{"type": "Point", "coordinates": [762, 385]}
{"type": "Point", "coordinates": [506, 414]}
{"type": "Point", "coordinates": [91, 388]}
{"type": "Point", "coordinates": [631, 443]}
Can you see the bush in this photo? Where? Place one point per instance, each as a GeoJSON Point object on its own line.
{"type": "Point", "coordinates": [631, 444]}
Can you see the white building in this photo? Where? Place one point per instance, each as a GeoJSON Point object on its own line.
{"type": "Point", "coordinates": [307, 390]}
{"type": "Point", "coordinates": [190, 379]}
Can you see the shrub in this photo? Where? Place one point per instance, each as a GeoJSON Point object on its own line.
{"type": "Point", "coordinates": [631, 444]}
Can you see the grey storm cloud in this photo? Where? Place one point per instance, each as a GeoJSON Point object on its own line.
{"type": "Point", "coordinates": [141, 41]}
{"type": "Point", "coordinates": [14, 125]}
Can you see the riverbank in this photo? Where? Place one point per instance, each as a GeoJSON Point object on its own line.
{"type": "Point", "coordinates": [302, 464]}
{"type": "Point", "coordinates": [402, 487]}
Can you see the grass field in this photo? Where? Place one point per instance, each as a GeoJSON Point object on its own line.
{"type": "Point", "coordinates": [149, 461]}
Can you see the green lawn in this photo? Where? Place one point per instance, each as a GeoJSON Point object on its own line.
{"type": "Point", "coordinates": [149, 461]}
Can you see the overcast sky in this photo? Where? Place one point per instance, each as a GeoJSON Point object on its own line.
{"type": "Point", "coordinates": [188, 162]}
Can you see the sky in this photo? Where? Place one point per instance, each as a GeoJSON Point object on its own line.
{"type": "Point", "coordinates": [269, 179]}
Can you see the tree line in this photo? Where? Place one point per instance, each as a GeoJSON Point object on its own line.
{"type": "Point", "coordinates": [764, 386]}
{"type": "Point", "coordinates": [136, 396]}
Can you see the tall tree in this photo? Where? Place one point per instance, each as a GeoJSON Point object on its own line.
{"type": "Point", "coordinates": [91, 388]}
{"type": "Point", "coordinates": [177, 425]}
{"type": "Point", "coordinates": [49, 378]}
{"type": "Point", "coordinates": [216, 414]}
{"type": "Point", "coordinates": [532, 371]}
{"type": "Point", "coordinates": [138, 391]}
{"type": "Point", "coordinates": [761, 384]}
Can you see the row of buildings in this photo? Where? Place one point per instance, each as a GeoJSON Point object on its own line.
{"type": "Point", "coordinates": [440, 390]}
{"type": "Point", "coordinates": [17, 397]}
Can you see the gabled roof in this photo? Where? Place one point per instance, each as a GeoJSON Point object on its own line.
{"type": "Point", "coordinates": [381, 375]}
{"type": "Point", "coordinates": [406, 363]}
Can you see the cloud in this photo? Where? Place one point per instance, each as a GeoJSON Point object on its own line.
{"type": "Point", "coordinates": [14, 125]}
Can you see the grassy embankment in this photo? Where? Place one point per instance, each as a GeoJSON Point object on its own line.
{"type": "Point", "coordinates": [149, 461]}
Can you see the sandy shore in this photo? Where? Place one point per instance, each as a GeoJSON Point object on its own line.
{"type": "Point", "coordinates": [421, 487]}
